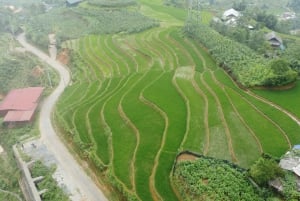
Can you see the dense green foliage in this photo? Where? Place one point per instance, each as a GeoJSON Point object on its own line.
{"type": "Point", "coordinates": [292, 55]}
{"type": "Point", "coordinates": [290, 189]}
{"type": "Point", "coordinates": [249, 68]}
{"type": "Point", "coordinates": [9, 171]}
{"type": "Point", "coordinates": [53, 191]}
{"type": "Point", "coordinates": [265, 170]}
{"type": "Point", "coordinates": [20, 69]}
{"type": "Point", "coordinates": [71, 23]}
{"type": "Point", "coordinates": [294, 4]}
{"type": "Point", "coordinates": [211, 179]}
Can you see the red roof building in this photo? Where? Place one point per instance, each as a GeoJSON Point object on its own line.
{"type": "Point", "coordinates": [20, 104]}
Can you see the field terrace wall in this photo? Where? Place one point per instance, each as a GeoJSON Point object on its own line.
{"type": "Point", "coordinates": [20, 105]}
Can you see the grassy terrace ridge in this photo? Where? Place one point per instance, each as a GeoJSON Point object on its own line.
{"type": "Point", "coordinates": [137, 100]}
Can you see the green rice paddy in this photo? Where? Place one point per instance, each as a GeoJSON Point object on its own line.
{"type": "Point", "coordinates": [138, 100]}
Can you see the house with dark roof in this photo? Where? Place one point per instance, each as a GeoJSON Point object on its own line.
{"type": "Point", "coordinates": [73, 2]}
{"type": "Point", "coordinates": [20, 105]}
{"type": "Point", "coordinates": [273, 39]}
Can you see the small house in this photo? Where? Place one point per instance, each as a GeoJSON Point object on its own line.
{"type": "Point", "coordinates": [19, 105]}
{"type": "Point", "coordinates": [291, 160]}
{"type": "Point", "coordinates": [231, 14]}
{"type": "Point", "coordinates": [273, 39]}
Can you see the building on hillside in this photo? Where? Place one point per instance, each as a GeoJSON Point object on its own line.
{"type": "Point", "coordinates": [73, 2]}
{"type": "Point", "coordinates": [231, 14]}
{"type": "Point", "coordinates": [273, 39]}
{"type": "Point", "coordinates": [291, 160]}
{"type": "Point", "coordinates": [19, 105]}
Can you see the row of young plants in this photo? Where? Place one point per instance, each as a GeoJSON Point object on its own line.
{"type": "Point", "coordinates": [246, 66]}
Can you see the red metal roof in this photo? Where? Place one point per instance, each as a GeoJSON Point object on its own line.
{"type": "Point", "coordinates": [20, 104]}
{"type": "Point", "coordinates": [22, 99]}
{"type": "Point", "coordinates": [18, 116]}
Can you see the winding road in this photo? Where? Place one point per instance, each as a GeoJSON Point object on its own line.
{"type": "Point", "coordinates": [78, 183]}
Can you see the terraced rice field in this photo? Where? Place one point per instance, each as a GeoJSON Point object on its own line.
{"type": "Point", "coordinates": [138, 100]}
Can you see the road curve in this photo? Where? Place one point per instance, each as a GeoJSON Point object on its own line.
{"type": "Point", "coordinates": [80, 186]}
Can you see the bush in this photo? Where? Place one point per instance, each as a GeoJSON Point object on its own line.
{"type": "Point", "coordinates": [265, 170]}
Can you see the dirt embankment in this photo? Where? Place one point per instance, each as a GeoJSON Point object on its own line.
{"type": "Point", "coordinates": [186, 157]}
{"type": "Point", "coordinates": [64, 56]}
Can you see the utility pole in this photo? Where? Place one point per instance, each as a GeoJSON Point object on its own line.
{"type": "Point", "coordinates": [190, 14]}
{"type": "Point", "coordinates": [49, 78]}
{"type": "Point", "coordinates": [198, 11]}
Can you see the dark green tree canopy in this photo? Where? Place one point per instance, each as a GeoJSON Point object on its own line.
{"type": "Point", "coordinates": [265, 170]}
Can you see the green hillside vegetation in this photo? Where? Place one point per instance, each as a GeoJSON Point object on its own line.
{"type": "Point", "coordinates": [211, 179]}
{"type": "Point", "coordinates": [140, 94]}
{"type": "Point", "coordinates": [246, 66]}
{"type": "Point", "coordinates": [70, 23]}
{"type": "Point", "coordinates": [20, 69]}
{"type": "Point", "coordinates": [136, 100]}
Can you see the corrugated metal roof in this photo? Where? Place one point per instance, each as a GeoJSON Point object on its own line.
{"type": "Point", "coordinates": [231, 12]}
{"type": "Point", "coordinates": [296, 170]}
{"type": "Point", "coordinates": [18, 116]}
{"type": "Point", "coordinates": [21, 99]}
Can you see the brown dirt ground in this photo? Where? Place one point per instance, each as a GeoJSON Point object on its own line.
{"type": "Point", "coordinates": [63, 57]}
{"type": "Point", "coordinates": [186, 157]}
{"type": "Point", "coordinates": [37, 71]}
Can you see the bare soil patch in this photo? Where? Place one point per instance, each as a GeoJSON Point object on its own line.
{"type": "Point", "coordinates": [64, 56]}
{"type": "Point", "coordinates": [186, 157]}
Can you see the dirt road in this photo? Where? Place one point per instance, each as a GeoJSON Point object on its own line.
{"type": "Point", "coordinates": [81, 187]}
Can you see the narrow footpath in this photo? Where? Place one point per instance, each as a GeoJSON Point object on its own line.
{"type": "Point", "coordinates": [78, 183]}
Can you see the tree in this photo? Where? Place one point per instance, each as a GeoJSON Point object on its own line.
{"type": "Point", "coordinates": [294, 4]}
{"type": "Point", "coordinates": [292, 55]}
{"type": "Point", "coordinates": [279, 66]}
{"type": "Point", "coordinates": [269, 20]}
{"type": "Point", "coordinates": [265, 170]}
{"type": "Point", "coordinates": [240, 5]}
